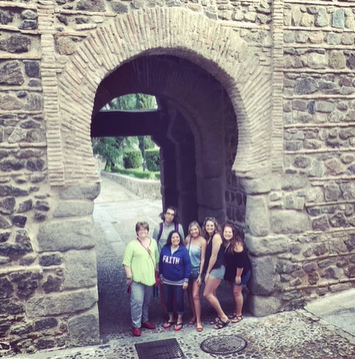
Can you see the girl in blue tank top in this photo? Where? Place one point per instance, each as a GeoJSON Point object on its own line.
{"type": "Point", "coordinates": [196, 246]}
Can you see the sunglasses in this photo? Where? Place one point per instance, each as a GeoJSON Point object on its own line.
{"type": "Point", "coordinates": [210, 219]}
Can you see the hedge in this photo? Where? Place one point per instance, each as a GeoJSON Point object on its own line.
{"type": "Point", "coordinates": [152, 159]}
{"type": "Point", "coordinates": [132, 159]}
{"type": "Point", "coordinates": [137, 173]}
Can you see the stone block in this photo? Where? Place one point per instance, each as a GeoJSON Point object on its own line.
{"type": "Point", "coordinates": [260, 306]}
{"type": "Point", "coordinates": [81, 192]}
{"type": "Point", "coordinates": [267, 245]}
{"type": "Point", "coordinates": [263, 279]}
{"type": "Point", "coordinates": [61, 303]}
{"type": "Point", "coordinates": [292, 182]}
{"type": "Point", "coordinates": [316, 61]}
{"type": "Point", "coordinates": [337, 59]}
{"type": "Point", "coordinates": [64, 235]}
{"type": "Point", "coordinates": [84, 329]}
{"type": "Point", "coordinates": [257, 216]}
{"type": "Point", "coordinates": [74, 209]}
{"type": "Point", "coordinates": [338, 19]}
{"type": "Point", "coordinates": [80, 269]}
{"type": "Point", "coordinates": [260, 185]}
{"type": "Point", "coordinates": [321, 18]}
{"type": "Point", "coordinates": [288, 221]}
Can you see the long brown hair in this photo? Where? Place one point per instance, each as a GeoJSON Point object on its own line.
{"type": "Point", "coordinates": [234, 240]}
{"type": "Point", "coordinates": [217, 227]}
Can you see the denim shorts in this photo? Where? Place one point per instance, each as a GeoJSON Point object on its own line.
{"type": "Point", "coordinates": [218, 272]}
{"type": "Point", "coordinates": [244, 279]}
{"type": "Point", "coordinates": [195, 272]}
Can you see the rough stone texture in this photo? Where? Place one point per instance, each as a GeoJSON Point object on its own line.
{"type": "Point", "coordinates": [257, 216]}
{"type": "Point", "coordinates": [73, 209]}
{"type": "Point", "coordinates": [80, 192]}
{"type": "Point", "coordinates": [260, 306]}
{"type": "Point", "coordinates": [263, 279]}
{"type": "Point", "coordinates": [268, 245]}
{"type": "Point", "coordinates": [288, 222]}
{"type": "Point", "coordinates": [84, 329]}
{"type": "Point", "coordinates": [80, 269]}
{"type": "Point", "coordinates": [61, 303]}
{"type": "Point", "coordinates": [62, 236]}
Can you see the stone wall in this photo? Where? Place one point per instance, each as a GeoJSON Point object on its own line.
{"type": "Point", "coordinates": [140, 187]}
{"type": "Point", "coordinates": [275, 137]}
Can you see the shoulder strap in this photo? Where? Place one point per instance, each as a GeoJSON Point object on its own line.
{"type": "Point", "coordinates": [160, 231]}
{"type": "Point", "coordinates": [176, 227]}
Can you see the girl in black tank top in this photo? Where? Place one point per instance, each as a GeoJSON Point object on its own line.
{"type": "Point", "coordinates": [214, 268]}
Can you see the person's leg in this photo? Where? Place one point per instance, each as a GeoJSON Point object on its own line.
{"type": "Point", "coordinates": [191, 301]}
{"type": "Point", "coordinates": [209, 293]}
{"type": "Point", "coordinates": [179, 299]}
{"type": "Point", "coordinates": [148, 292]}
{"type": "Point", "coordinates": [168, 294]}
{"type": "Point", "coordinates": [197, 303]}
{"type": "Point", "coordinates": [238, 300]}
{"type": "Point", "coordinates": [180, 308]}
{"type": "Point", "coordinates": [162, 299]}
{"type": "Point", "coordinates": [137, 297]}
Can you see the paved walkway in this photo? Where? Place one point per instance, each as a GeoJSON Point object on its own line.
{"type": "Point", "coordinates": [323, 330]}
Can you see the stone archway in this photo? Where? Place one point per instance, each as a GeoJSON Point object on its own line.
{"type": "Point", "coordinates": [169, 31]}
{"type": "Point", "coordinates": [72, 175]}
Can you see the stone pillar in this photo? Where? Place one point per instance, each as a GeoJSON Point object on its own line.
{"type": "Point", "coordinates": [185, 170]}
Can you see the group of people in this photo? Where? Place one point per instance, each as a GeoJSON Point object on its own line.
{"type": "Point", "coordinates": [177, 264]}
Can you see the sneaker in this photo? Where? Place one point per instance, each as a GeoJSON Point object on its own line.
{"type": "Point", "coordinates": [148, 325]}
{"type": "Point", "coordinates": [136, 332]}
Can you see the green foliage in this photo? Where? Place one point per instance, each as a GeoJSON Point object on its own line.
{"type": "Point", "coordinates": [132, 159]}
{"type": "Point", "coordinates": [148, 143]}
{"type": "Point", "coordinates": [137, 173]}
{"type": "Point", "coordinates": [107, 149]}
{"type": "Point", "coordinates": [111, 150]}
{"type": "Point", "coordinates": [153, 160]}
{"type": "Point", "coordinates": [135, 101]}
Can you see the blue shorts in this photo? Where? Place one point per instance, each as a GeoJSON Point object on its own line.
{"type": "Point", "coordinates": [218, 272]}
{"type": "Point", "coordinates": [244, 279]}
{"type": "Point", "coordinates": [195, 272]}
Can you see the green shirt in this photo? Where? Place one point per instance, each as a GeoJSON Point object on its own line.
{"type": "Point", "coordinates": [141, 263]}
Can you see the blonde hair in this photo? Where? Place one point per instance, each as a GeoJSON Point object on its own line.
{"type": "Point", "coordinates": [192, 224]}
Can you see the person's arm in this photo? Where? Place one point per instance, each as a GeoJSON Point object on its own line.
{"type": "Point", "coordinates": [240, 268]}
{"type": "Point", "coordinates": [127, 259]}
{"type": "Point", "coordinates": [187, 268]}
{"type": "Point", "coordinates": [203, 256]}
{"type": "Point", "coordinates": [129, 278]}
{"type": "Point", "coordinates": [216, 245]}
{"type": "Point", "coordinates": [181, 231]}
{"type": "Point", "coordinates": [187, 240]}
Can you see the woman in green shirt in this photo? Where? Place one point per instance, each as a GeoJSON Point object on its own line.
{"type": "Point", "coordinates": [140, 262]}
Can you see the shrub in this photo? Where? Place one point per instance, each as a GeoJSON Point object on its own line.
{"type": "Point", "coordinates": [132, 159]}
{"type": "Point", "coordinates": [152, 159]}
{"type": "Point", "coordinates": [136, 173]}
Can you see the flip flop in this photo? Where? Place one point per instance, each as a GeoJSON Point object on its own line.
{"type": "Point", "coordinates": [221, 324]}
{"type": "Point", "coordinates": [199, 329]}
{"type": "Point", "coordinates": [192, 322]}
{"type": "Point", "coordinates": [237, 319]}
{"type": "Point", "coordinates": [178, 326]}
{"type": "Point", "coordinates": [168, 325]}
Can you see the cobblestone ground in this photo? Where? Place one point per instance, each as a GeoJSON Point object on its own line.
{"type": "Point", "coordinates": [296, 334]}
